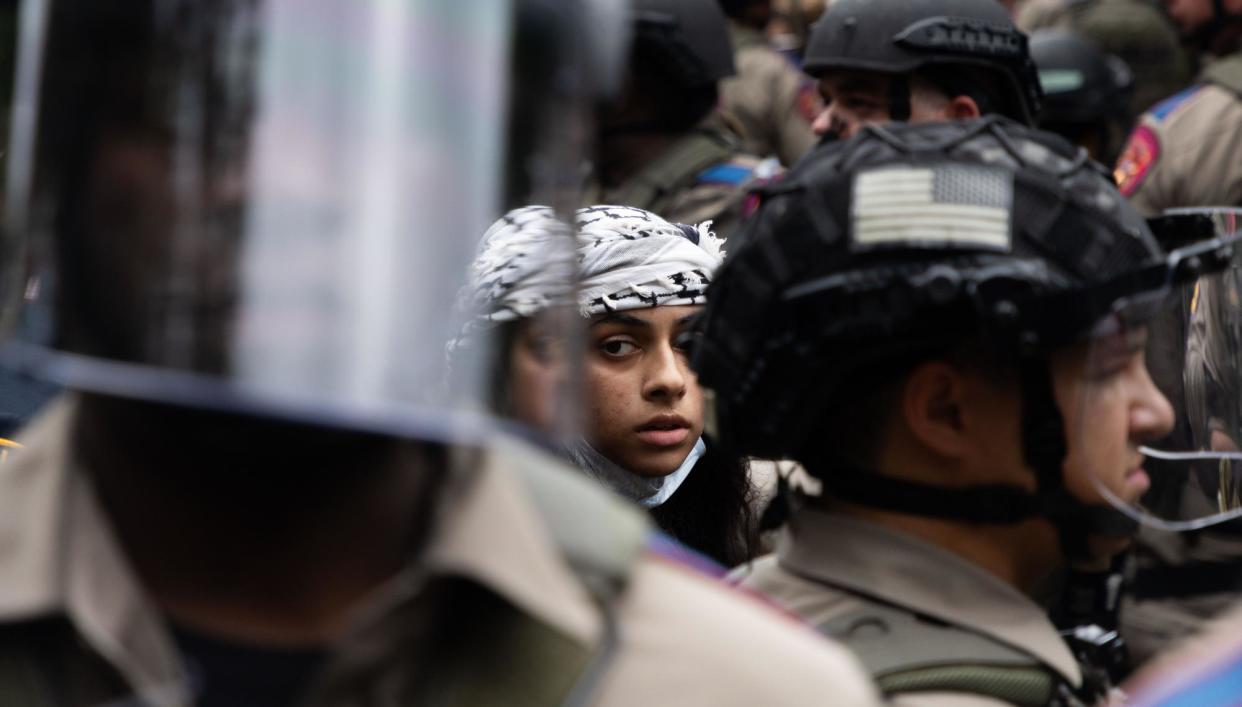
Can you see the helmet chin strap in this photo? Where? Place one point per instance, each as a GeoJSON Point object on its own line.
{"type": "Point", "coordinates": [1044, 450]}
{"type": "Point", "coordinates": [899, 98]}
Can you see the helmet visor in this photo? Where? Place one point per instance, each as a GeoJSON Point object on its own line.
{"type": "Point", "coordinates": [277, 202]}
{"type": "Point", "coordinates": [1168, 374]}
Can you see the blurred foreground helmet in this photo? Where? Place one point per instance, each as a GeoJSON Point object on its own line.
{"type": "Point", "coordinates": [1085, 90]}
{"type": "Point", "coordinates": [272, 205]}
{"type": "Point", "coordinates": [900, 36]}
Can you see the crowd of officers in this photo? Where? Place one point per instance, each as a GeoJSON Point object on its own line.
{"type": "Point", "coordinates": [813, 360]}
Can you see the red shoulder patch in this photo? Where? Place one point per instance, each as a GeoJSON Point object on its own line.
{"type": "Point", "coordinates": [1141, 152]}
{"type": "Point", "coordinates": [810, 104]}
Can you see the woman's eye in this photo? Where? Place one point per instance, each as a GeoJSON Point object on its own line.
{"type": "Point", "coordinates": [617, 347]}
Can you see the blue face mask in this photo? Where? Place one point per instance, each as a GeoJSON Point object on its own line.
{"type": "Point", "coordinates": [645, 491]}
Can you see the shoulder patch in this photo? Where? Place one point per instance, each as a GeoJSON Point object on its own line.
{"type": "Point", "coordinates": [725, 173]}
{"type": "Point", "coordinates": [1165, 108]}
{"type": "Point", "coordinates": [1142, 150]}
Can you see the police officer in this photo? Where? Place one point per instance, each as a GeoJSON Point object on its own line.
{"type": "Point", "coordinates": [661, 145]}
{"type": "Point", "coordinates": [1168, 161]}
{"type": "Point", "coordinates": [1135, 31]}
{"type": "Point", "coordinates": [1087, 93]}
{"type": "Point", "coordinates": [1182, 154]}
{"type": "Point", "coordinates": [887, 60]}
{"type": "Point", "coordinates": [910, 317]}
{"type": "Point", "coordinates": [773, 101]}
{"type": "Point", "coordinates": [1194, 491]}
{"type": "Point", "coordinates": [791, 23]}
{"type": "Point", "coordinates": [245, 224]}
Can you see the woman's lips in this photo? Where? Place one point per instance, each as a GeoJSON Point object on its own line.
{"type": "Point", "coordinates": [669, 437]}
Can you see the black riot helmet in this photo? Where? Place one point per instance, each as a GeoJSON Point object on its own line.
{"type": "Point", "coordinates": [900, 245]}
{"type": "Point", "coordinates": [1085, 90]}
{"type": "Point", "coordinates": [902, 36]}
{"type": "Point", "coordinates": [688, 38]}
{"type": "Point", "coordinates": [680, 51]}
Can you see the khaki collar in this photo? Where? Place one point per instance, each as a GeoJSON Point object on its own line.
{"type": "Point", "coordinates": [58, 556]}
{"type": "Point", "coordinates": [843, 552]}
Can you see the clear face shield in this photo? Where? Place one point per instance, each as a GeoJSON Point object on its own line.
{"type": "Point", "coordinates": [1160, 417]}
{"type": "Point", "coordinates": [274, 205]}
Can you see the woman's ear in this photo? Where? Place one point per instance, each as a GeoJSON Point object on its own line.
{"type": "Point", "coordinates": [932, 408]}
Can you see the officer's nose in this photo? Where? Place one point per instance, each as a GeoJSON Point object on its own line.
{"type": "Point", "coordinates": [1151, 415]}
{"type": "Point", "coordinates": [823, 122]}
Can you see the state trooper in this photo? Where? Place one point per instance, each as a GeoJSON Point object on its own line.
{"type": "Point", "coordinates": [661, 145]}
{"type": "Point", "coordinates": [791, 23]}
{"type": "Point", "coordinates": [1087, 93]}
{"type": "Point", "coordinates": [1169, 160]}
{"type": "Point", "coordinates": [1183, 154]}
{"type": "Point", "coordinates": [235, 231]}
{"type": "Point", "coordinates": [1195, 491]}
{"type": "Point", "coordinates": [887, 60]}
{"type": "Point", "coordinates": [774, 102]}
{"type": "Point", "coordinates": [943, 323]}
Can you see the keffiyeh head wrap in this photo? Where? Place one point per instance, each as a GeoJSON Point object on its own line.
{"type": "Point", "coordinates": [525, 264]}
{"type": "Point", "coordinates": [629, 258]}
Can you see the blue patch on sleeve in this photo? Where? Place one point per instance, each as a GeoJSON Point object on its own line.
{"type": "Point", "coordinates": [1219, 688]}
{"type": "Point", "coordinates": [725, 174]}
{"type": "Point", "coordinates": [1166, 107]}
{"type": "Point", "coordinates": [663, 545]}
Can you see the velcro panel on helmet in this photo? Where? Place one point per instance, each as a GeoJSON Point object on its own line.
{"type": "Point", "coordinates": [962, 35]}
{"type": "Point", "coordinates": [948, 205]}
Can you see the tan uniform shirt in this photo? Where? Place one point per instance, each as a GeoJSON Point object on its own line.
{"type": "Point", "coordinates": [774, 102]}
{"type": "Point", "coordinates": [684, 640]}
{"type": "Point", "coordinates": [1185, 152]}
{"type": "Point", "coordinates": [828, 565]}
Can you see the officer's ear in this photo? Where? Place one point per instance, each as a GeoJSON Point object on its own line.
{"type": "Point", "coordinates": [931, 405]}
{"type": "Point", "coordinates": [962, 107]}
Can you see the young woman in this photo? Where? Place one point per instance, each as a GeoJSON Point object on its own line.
{"type": "Point", "coordinates": [640, 280]}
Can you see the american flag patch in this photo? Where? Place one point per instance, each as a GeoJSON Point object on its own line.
{"type": "Point", "coordinates": [949, 205]}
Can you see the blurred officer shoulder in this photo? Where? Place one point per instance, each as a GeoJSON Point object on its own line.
{"type": "Point", "coordinates": [569, 595]}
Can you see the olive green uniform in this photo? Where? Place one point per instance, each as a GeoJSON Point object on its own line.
{"type": "Point", "coordinates": [1136, 31]}
{"type": "Point", "coordinates": [704, 176]}
{"type": "Point", "coordinates": [771, 99]}
{"type": "Point", "coordinates": [497, 611]}
{"type": "Point", "coordinates": [933, 628]}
